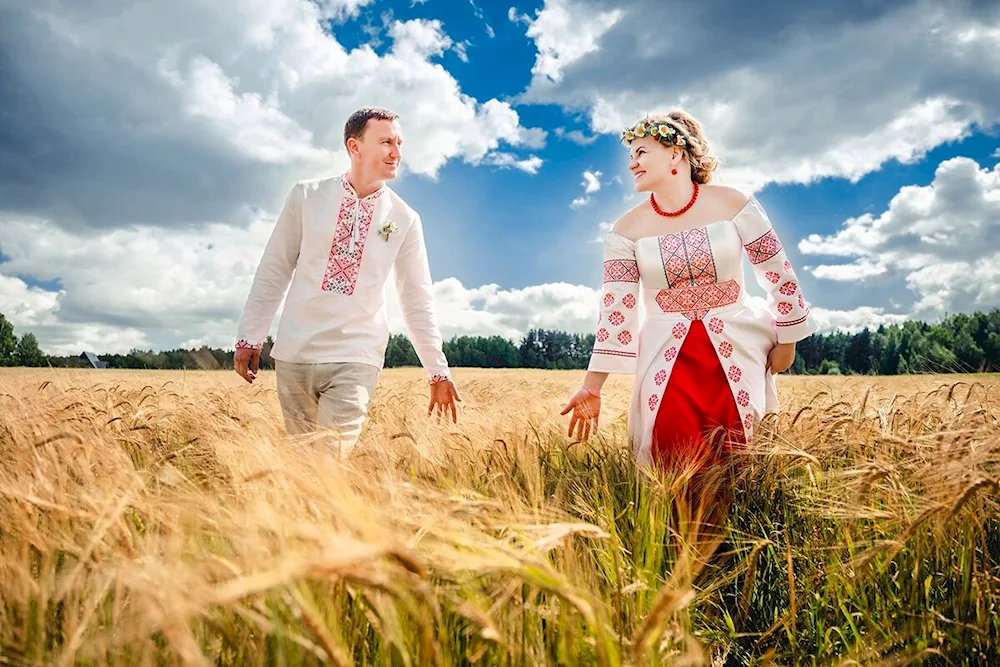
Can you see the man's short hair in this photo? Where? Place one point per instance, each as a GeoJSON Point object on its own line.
{"type": "Point", "coordinates": [355, 125]}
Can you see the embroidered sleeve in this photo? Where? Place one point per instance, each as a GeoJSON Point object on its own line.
{"type": "Point", "coordinates": [273, 274]}
{"type": "Point", "coordinates": [416, 301]}
{"type": "Point", "coordinates": [775, 274]}
{"type": "Point", "coordinates": [616, 341]}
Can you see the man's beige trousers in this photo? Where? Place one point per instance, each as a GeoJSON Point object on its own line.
{"type": "Point", "coordinates": [330, 396]}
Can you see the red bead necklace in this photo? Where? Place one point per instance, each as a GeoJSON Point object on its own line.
{"type": "Point", "coordinates": [674, 214]}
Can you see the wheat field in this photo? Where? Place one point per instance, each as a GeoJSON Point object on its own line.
{"type": "Point", "coordinates": [163, 518]}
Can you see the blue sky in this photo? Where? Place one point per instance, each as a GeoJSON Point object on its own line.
{"type": "Point", "coordinates": [142, 160]}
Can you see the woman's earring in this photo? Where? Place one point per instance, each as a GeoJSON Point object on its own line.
{"type": "Point", "coordinates": [673, 171]}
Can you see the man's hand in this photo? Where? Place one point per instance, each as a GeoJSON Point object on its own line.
{"type": "Point", "coordinates": [780, 358]}
{"type": "Point", "coordinates": [443, 396]}
{"type": "Point", "coordinates": [245, 361]}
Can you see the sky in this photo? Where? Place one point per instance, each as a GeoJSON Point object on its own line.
{"type": "Point", "coordinates": [146, 148]}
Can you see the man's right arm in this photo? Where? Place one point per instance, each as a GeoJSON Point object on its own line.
{"type": "Point", "coordinates": [270, 282]}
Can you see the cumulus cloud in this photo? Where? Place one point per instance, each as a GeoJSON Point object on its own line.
{"type": "Point", "coordinates": [146, 114]}
{"type": "Point", "coordinates": [150, 288]}
{"type": "Point", "coordinates": [792, 97]}
{"type": "Point", "coordinates": [939, 239]}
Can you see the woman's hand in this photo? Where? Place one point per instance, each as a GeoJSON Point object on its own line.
{"type": "Point", "coordinates": [586, 407]}
{"type": "Point", "coordinates": [781, 357]}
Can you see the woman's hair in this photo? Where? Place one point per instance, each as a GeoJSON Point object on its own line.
{"type": "Point", "coordinates": [703, 163]}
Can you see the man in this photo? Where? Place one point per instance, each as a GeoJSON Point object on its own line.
{"type": "Point", "coordinates": [336, 240]}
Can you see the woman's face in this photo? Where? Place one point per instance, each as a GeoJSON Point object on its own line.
{"type": "Point", "coordinates": [650, 163]}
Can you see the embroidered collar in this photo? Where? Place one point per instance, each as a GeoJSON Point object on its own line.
{"type": "Point", "coordinates": [351, 192]}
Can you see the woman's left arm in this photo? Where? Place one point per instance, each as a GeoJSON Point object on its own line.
{"type": "Point", "coordinates": [775, 274]}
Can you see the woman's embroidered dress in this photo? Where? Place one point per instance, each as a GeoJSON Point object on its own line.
{"type": "Point", "coordinates": [700, 351]}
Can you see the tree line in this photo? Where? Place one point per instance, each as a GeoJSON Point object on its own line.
{"type": "Point", "coordinates": [957, 344]}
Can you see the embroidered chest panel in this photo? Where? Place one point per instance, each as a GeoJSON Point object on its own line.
{"type": "Point", "coordinates": [354, 221]}
{"type": "Point", "coordinates": [687, 259]}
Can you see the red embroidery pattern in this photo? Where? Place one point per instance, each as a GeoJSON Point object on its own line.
{"type": "Point", "coordinates": [438, 377]}
{"type": "Point", "coordinates": [716, 326]}
{"type": "Point", "coordinates": [625, 338]}
{"type": "Point", "coordinates": [784, 307]}
{"type": "Point", "coordinates": [614, 353]}
{"type": "Point", "coordinates": [687, 258]}
{"type": "Point", "coordinates": [695, 302]}
{"type": "Point", "coordinates": [616, 319]}
{"type": "Point", "coordinates": [794, 322]}
{"type": "Point", "coordinates": [802, 301]}
{"type": "Point", "coordinates": [763, 248]}
{"type": "Point", "coordinates": [621, 271]}
{"type": "Point", "coordinates": [726, 349]}
{"type": "Point", "coordinates": [788, 288]}
{"type": "Point", "coordinates": [653, 401]}
{"type": "Point", "coordinates": [344, 263]}
{"type": "Point", "coordinates": [660, 377]}
{"type": "Point", "coordinates": [743, 398]}
{"type": "Point", "coordinates": [670, 354]}
{"type": "Point", "coordinates": [735, 373]}
{"type": "Point", "coordinates": [748, 421]}
{"type": "Point", "coordinates": [629, 301]}
{"type": "Point", "coordinates": [788, 266]}
{"type": "Point", "coordinates": [602, 335]}
{"type": "Point", "coordinates": [773, 277]}
{"type": "Point", "coordinates": [608, 300]}
{"type": "Point", "coordinates": [244, 344]}
{"type": "Point", "coordinates": [679, 331]}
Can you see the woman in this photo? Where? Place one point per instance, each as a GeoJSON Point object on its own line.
{"type": "Point", "coordinates": [705, 354]}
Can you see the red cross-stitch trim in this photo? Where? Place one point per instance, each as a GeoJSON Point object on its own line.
{"type": "Point", "coordinates": [621, 271]}
{"type": "Point", "coordinates": [687, 258]}
{"type": "Point", "coordinates": [763, 248]}
{"type": "Point", "coordinates": [794, 322]}
{"type": "Point", "coordinates": [614, 353]}
{"type": "Point", "coordinates": [696, 302]}
{"type": "Point", "coordinates": [343, 265]}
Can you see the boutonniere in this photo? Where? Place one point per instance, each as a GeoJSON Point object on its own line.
{"type": "Point", "coordinates": [388, 228]}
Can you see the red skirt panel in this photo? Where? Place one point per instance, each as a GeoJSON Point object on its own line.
{"type": "Point", "coordinates": [696, 402]}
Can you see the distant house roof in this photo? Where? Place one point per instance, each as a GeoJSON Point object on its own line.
{"type": "Point", "coordinates": [92, 359]}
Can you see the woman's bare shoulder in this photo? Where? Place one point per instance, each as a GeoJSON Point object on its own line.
{"type": "Point", "coordinates": [727, 199]}
{"type": "Point", "coordinates": [626, 224]}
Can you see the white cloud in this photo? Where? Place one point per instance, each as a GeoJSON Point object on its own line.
{"type": "Point", "coordinates": [853, 321]}
{"type": "Point", "coordinates": [148, 288]}
{"type": "Point", "coordinates": [563, 35]}
{"type": "Point", "coordinates": [419, 38]}
{"type": "Point", "coordinates": [144, 286]}
{"type": "Point", "coordinates": [153, 114]}
{"type": "Point", "coordinates": [530, 165]}
{"type": "Point", "coordinates": [793, 97]}
{"type": "Point", "coordinates": [576, 136]}
{"type": "Point", "coordinates": [490, 310]}
{"type": "Point", "coordinates": [941, 239]}
{"type": "Point", "coordinates": [514, 17]}
{"type": "Point", "coordinates": [591, 183]}
{"type": "Point", "coordinates": [461, 50]}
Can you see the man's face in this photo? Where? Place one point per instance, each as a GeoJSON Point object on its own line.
{"type": "Point", "coordinates": [379, 151]}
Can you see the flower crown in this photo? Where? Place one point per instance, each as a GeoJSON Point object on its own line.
{"type": "Point", "coordinates": [665, 133]}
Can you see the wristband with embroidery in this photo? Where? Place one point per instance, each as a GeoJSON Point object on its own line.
{"type": "Point", "coordinates": [243, 343]}
{"type": "Point", "coordinates": [439, 377]}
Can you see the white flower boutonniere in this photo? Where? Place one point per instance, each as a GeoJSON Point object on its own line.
{"type": "Point", "coordinates": [388, 228]}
